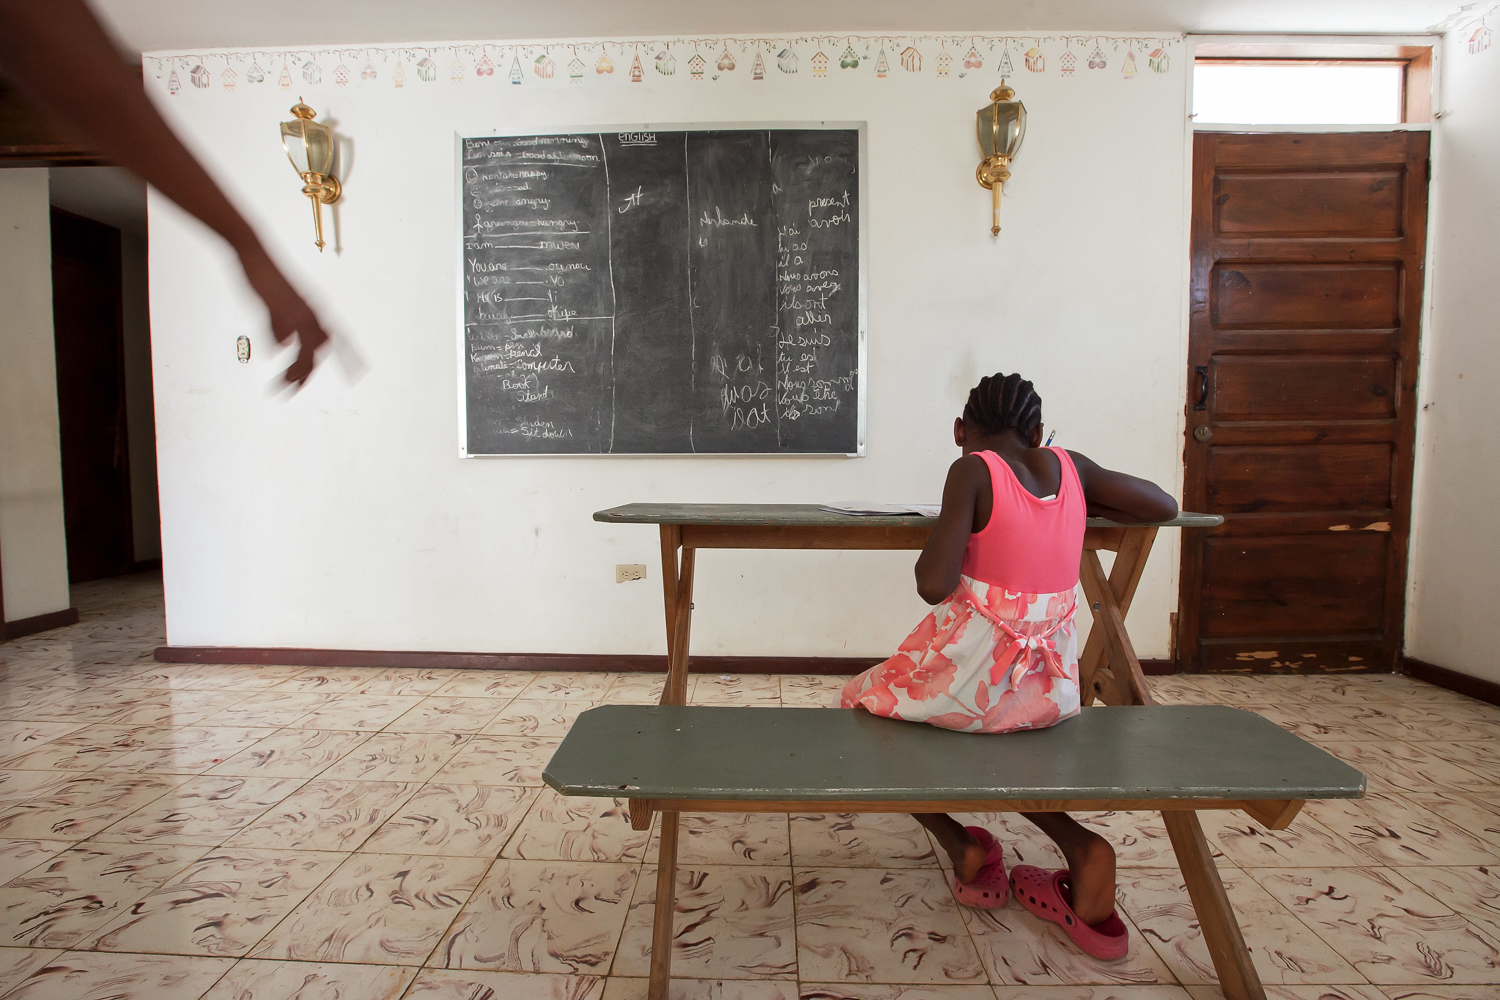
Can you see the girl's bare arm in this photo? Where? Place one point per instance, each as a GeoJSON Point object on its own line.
{"type": "Point", "coordinates": [1121, 497]}
{"type": "Point", "coordinates": [59, 54]}
{"type": "Point", "coordinates": [943, 557]}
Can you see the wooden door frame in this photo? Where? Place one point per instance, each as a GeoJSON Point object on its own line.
{"type": "Point", "coordinates": [1411, 251]}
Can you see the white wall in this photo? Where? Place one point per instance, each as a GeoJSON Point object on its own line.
{"type": "Point", "coordinates": [343, 518]}
{"type": "Point", "coordinates": [1451, 619]}
{"type": "Point", "coordinates": [33, 548]}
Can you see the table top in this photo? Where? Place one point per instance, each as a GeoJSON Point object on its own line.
{"type": "Point", "coordinates": [807, 515]}
{"type": "Point", "coordinates": [818, 754]}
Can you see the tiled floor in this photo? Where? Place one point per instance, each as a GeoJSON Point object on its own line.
{"type": "Point", "coordinates": [245, 833]}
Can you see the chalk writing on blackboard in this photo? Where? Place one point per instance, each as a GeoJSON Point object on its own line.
{"type": "Point", "coordinates": [651, 291]}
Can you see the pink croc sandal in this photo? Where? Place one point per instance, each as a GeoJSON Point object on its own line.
{"type": "Point", "coordinates": [989, 890]}
{"type": "Point", "coordinates": [1046, 894]}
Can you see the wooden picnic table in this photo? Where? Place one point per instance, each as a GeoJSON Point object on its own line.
{"type": "Point", "coordinates": [1109, 670]}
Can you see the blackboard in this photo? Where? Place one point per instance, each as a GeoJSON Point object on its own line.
{"type": "Point", "coordinates": [662, 292]}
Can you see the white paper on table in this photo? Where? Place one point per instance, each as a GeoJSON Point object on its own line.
{"type": "Point", "coordinates": [859, 508]}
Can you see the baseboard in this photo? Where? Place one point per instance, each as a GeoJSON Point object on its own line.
{"type": "Point", "coordinates": [583, 662]}
{"type": "Point", "coordinates": [1158, 668]}
{"type": "Point", "coordinates": [1474, 687]}
{"type": "Point", "coordinates": [38, 623]}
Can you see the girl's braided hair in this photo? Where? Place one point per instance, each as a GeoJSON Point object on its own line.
{"type": "Point", "coordinates": [1001, 402]}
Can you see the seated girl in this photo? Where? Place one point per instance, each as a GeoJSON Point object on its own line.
{"type": "Point", "coordinates": [999, 652]}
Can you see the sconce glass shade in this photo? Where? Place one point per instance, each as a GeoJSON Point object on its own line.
{"type": "Point", "coordinates": [308, 144]}
{"type": "Point", "coordinates": [1001, 124]}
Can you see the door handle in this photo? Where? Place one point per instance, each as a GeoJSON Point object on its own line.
{"type": "Point", "coordinates": [1202, 372]}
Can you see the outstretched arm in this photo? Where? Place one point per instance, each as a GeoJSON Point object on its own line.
{"type": "Point", "coordinates": [59, 54]}
{"type": "Point", "coordinates": [1121, 497]}
{"type": "Point", "coordinates": [942, 558]}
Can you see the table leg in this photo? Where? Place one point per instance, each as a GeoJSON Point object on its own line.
{"type": "Point", "coordinates": [675, 691]}
{"type": "Point", "coordinates": [666, 908]}
{"type": "Point", "coordinates": [1221, 932]}
{"type": "Point", "coordinates": [671, 541]}
{"type": "Point", "coordinates": [1125, 683]}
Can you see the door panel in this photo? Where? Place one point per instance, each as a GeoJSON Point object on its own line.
{"type": "Point", "coordinates": [1353, 203]}
{"type": "Point", "coordinates": [1282, 388]}
{"type": "Point", "coordinates": [1308, 296]}
{"type": "Point", "coordinates": [1307, 268]}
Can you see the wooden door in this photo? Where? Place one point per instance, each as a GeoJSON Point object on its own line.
{"type": "Point", "coordinates": [89, 337]}
{"type": "Point", "coordinates": [1307, 271]}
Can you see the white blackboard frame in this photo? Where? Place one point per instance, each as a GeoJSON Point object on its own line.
{"type": "Point", "coordinates": [864, 279]}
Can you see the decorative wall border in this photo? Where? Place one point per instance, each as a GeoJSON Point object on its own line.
{"type": "Point", "coordinates": [557, 63]}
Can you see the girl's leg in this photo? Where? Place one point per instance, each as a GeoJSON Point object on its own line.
{"type": "Point", "coordinates": [1091, 862]}
{"type": "Point", "coordinates": [963, 850]}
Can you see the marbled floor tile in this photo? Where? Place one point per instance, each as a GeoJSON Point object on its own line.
{"type": "Point", "coordinates": [213, 676]}
{"type": "Point", "coordinates": [19, 738]}
{"type": "Point", "coordinates": [728, 839]}
{"type": "Point", "coordinates": [83, 805]}
{"type": "Point", "coordinates": [811, 690]}
{"type": "Point", "coordinates": [456, 820]}
{"type": "Point", "coordinates": [1418, 723]}
{"type": "Point", "coordinates": [18, 963]}
{"type": "Point", "coordinates": [1473, 892]}
{"type": "Point", "coordinates": [174, 708]}
{"type": "Point", "coordinates": [1306, 843]}
{"type": "Point", "coordinates": [83, 975]}
{"type": "Point", "coordinates": [541, 916]}
{"type": "Point", "coordinates": [735, 689]}
{"type": "Point", "coordinates": [586, 686]}
{"type": "Point", "coordinates": [190, 750]}
{"type": "Point", "coordinates": [487, 684]}
{"type": "Point", "coordinates": [1409, 767]}
{"type": "Point", "coordinates": [1024, 844]}
{"type": "Point", "coordinates": [293, 753]}
{"type": "Point", "coordinates": [1394, 831]}
{"type": "Point", "coordinates": [1477, 814]}
{"type": "Point", "coordinates": [57, 904]}
{"type": "Point", "coordinates": [72, 709]}
{"type": "Point", "coordinates": [860, 840]}
{"type": "Point", "coordinates": [499, 760]}
{"type": "Point", "coordinates": [1477, 992]}
{"type": "Point", "coordinates": [263, 979]}
{"type": "Point", "coordinates": [205, 810]}
{"type": "Point", "coordinates": [880, 925]}
{"type": "Point", "coordinates": [529, 717]}
{"type": "Point", "coordinates": [443, 714]}
{"type": "Point", "coordinates": [1139, 838]}
{"type": "Point", "coordinates": [398, 757]}
{"type": "Point", "coordinates": [327, 816]}
{"type": "Point", "coordinates": [268, 709]}
{"type": "Point", "coordinates": [18, 786]}
{"type": "Point", "coordinates": [358, 712]}
{"type": "Point", "coordinates": [462, 984]}
{"type": "Point", "coordinates": [1019, 949]}
{"type": "Point", "coordinates": [572, 828]}
{"type": "Point", "coordinates": [630, 988]}
{"type": "Point", "coordinates": [1482, 757]}
{"type": "Point", "coordinates": [85, 749]}
{"type": "Point", "coordinates": [1279, 991]}
{"type": "Point", "coordinates": [635, 689]}
{"type": "Point", "coordinates": [328, 680]}
{"type": "Point", "coordinates": [1317, 724]}
{"type": "Point", "coordinates": [1388, 929]}
{"type": "Point", "coordinates": [406, 681]}
{"type": "Point", "coordinates": [20, 856]}
{"type": "Point", "coordinates": [1321, 691]}
{"type": "Point", "coordinates": [1280, 947]}
{"type": "Point", "coordinates": [905, 991]}
{"type": "Point", "coordinates": [383, 909]}
{"type": "Point", "coordinates": [221, 904]}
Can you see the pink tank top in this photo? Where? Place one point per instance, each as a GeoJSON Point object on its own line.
{"type": "Point", "coordinates": [1030, 545]}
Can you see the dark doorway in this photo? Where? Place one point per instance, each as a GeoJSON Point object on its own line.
{"type": "Point", "coordinates": [87, 323]}
{"type": "Point", "coordinates": [1307, 268]}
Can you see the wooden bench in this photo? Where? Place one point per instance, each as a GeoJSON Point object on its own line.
{"type": "Point", "coordinates": [1175, 759]}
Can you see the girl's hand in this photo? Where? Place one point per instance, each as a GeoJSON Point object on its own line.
{"type": "Point", "coordinates": [291, 316]}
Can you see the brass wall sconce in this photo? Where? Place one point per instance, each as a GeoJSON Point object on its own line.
{"type": "Point", "coordinates": [1001, 126]}
{"type": "Point", "coordinates": [309, 145]}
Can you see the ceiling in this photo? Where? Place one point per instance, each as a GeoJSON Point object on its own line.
{"type": "Point", "coordinates": [147, 25]}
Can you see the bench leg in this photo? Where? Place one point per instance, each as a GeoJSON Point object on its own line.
{"type": "Point", "coordinates": [666, 908]}
{"type": "Point", "coordinates": [1221, 932]}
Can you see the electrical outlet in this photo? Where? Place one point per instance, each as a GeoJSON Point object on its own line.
{"type": "Point", "coordinates": [625, 572]}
